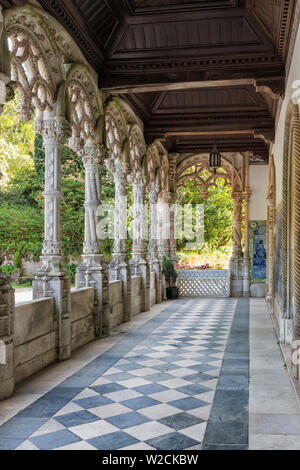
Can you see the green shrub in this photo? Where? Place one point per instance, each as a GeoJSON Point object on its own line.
{"type": "Point", "coordinates": [71, 269]}
{"type": "Point", "coordinates": [8, 269]}
{"type": "Point", "coordinates": [169, 271]}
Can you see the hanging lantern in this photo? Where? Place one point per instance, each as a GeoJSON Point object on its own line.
{"type": "Point", "coordinates": [215, 159]}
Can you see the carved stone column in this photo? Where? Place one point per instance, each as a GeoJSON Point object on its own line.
{"type": "Point", "coordinates": [154, 263]}
{"type": "Point", "coordinates": [237, 261]}
{"type": "Point", "coordinates": [7, 314]}
{"type": "Point", "coordinates": [139, 264]}
{"type": "Point", "coordinates": [164, 223]}
{"type": "Point", "coordinates": [7, 298]}
{"type": "Point", "coordinates": [52, 280]}
{"type": "Point", "coordinates": [119, 267]}
{"type": "Point", "coordinates": [173, 249]}
{"type": "Point", "coordinates": [4, 66]}
{"type": "Point", "coordinates": [93, 271]}
{"type": "Point", "coordinates": [247, 195]}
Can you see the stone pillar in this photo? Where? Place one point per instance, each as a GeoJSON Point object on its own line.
{"type": "Point", "coordinates": [93, 272]}
{"type": "Point", "coordinates": [237, 261]}
{"type": "Point", "coordinates": [5, 89]}
{"type": "Point", "coordinates": [119, 267]}
{"type": "Point", "coordinates": [7, 314]}
{"type": "Point", "coordinates": [52, 280]}
{"type": "Point", "coordinates": [155, 265]}
{"type": "Point", "coordinates": [247, 280]}
{"type": "Point", "coordinates": [7, 298]}
{"type": "Point", "coordinates": [247, 195]}
{"type": "Point", "coordinates": [173, 249]}
{"type": "Point", "coordinates": [139, 264]}
{"type": "Point", "coordinates": [164, 224]}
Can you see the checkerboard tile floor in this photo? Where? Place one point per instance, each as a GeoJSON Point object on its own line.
{"type": "Point", "coordinates": [158, 396]}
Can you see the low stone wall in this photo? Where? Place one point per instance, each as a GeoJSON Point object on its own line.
{"type": "Point", "coordinates": [82, 317]}
{"type": "Point", "coordinates": [116, 304]}
{"type": "Point", "coordinates": [136, 299]}
{"type": "Point", "coordinates": [34, 337]}
{"type": "Point", "coordinates": [36, 331]}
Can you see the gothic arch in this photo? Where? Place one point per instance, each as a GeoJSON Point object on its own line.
{"type": "Point", "coordinates": [84, 108]}
{"type": "Point", "coordinates": [116, 133]}
{"type": "Point", "coordinates": [153, 163]}
{"type": "Point", "coordinates": [201, 163]}
{"type": "Point", "coordinates": [137, 148]}
{"type": "Point", "coordinates": [35, 62]}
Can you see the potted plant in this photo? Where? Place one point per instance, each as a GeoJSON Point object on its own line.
{"type": "Point", "coordinates": [171, 276]}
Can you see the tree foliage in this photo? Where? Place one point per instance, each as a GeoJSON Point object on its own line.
{"type": "Point", "coordinates": [218, 216]}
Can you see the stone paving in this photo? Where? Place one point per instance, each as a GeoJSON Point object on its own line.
{"type": "Point", "coordinates": [178, 381]}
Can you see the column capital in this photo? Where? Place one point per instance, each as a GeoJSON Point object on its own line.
{"type": "Point", "coordinates": [238, 196]}
{"type": "Point", "coordinates": [137, 179]}
{"type": "Point", "coordinates": [94, 154]}
{"type": "Point", "coordinates": [118, 168]}
{"type": "Point", "coordinates": [165, 197]}
{"type": "Point", "coordinates": [153, 190]}
{"type": "Point", "coordinates": [54, 131]}
{"type": "Point", "coordinates": [247, 194]}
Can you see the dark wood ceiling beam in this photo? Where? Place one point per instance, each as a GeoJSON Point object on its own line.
{"type": "Point", "coordinates": [276, 85]}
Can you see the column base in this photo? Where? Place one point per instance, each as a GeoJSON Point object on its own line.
{"type": "Point", "coordinates": [140, 267]}
{"type": "Point", "coordinates": [155, 267]}
{"type": "Point", "coordinates": [93, 273]}
{"type": "Point", "coordinates": [237, 276]}
{"type": "Point", "coordinates": [286, 330]}
{"type": "Point", "coordinates": [119, 270]}
{"type": "Point", "coordinates": [270, 304]}
{"type": "Point", "coordinates": [7, 375]}
{"type": "Point", "coordinates": [57, 286]}
{"type": "Point", "coordinates": [296, 360]}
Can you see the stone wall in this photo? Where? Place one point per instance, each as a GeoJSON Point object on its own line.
{"type": "Point", "coordinates": [136, 291]}
{"type": "Point", "coordinates": [36, 331]}
{"type": "Point", "coordinates": [116, 304]}
{"type": "Point", "coordinates": [34, 337]}
{"type": "Point", "coordinates": [82, 317]}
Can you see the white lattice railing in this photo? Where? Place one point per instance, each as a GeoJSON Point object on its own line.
{"type": "Point", "coordinates": [204, 283]}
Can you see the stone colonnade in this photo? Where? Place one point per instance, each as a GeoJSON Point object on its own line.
{"type": "Point", "coordinates": [55, 81]}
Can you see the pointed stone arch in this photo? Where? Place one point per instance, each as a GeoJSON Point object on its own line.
{"type": "Point", "coordinates": [35, 62]}
{"type": "Point", "coordinates": [84, 107]}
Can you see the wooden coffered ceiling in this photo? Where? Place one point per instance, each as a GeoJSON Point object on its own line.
{"type": "Point", "coordinates": [190, 68]}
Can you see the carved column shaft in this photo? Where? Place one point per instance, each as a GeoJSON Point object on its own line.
{"type": "Point", "coordinates": [92, 159]}
{"type": "Point", "coordinates": [54, 133]}
{"type": "Point", "coordinates": [237, 261]}
{"type": "Point", "coordinates": [7, 298]}
{"type": "Point", "coordinates": [173, 249]}
{"type": "Point", "coordinates": [139, 264]}
{"type": "Point", "coordinates": [93, 272]}
{"type": "Point", "coordinates": [164, 223]}
{"type": "Point", "coordinates": [120, 178]}
{"type": "Point", "coordinates": [155, 265]}
{"type": "Point", "coordinates": [153, 242]}
{"type": "Point", "coordinates": [119, 268]}
{"type": "Point", "coordinates": [237, 224]}
{"type": "Point", "coordinates": [52, 280]}
{"type": "Point", "coordinates": [139, 215]}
